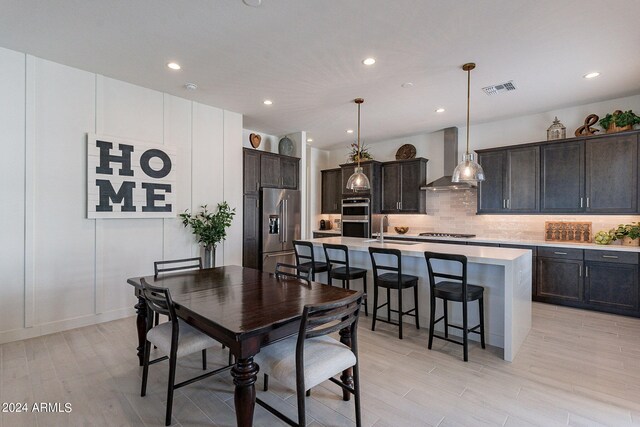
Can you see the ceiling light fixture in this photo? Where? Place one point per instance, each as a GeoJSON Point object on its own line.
{"type": "Point", "coordinates": [349, 130]}
{"type": "Point", "coordinates": [252, 3]}
{"type": "Point", "coordinates": [468, 170]}
{"type": "Point", "coordinates": [591, 75]}
{"type": "Point", "coordinates": [267, 102]}
{"type": "Point", "coordinates": [191, 86]}
{"type": "Point", "coordinates": [174, 65]}
{"type": "Point", "coordinates": [407, 85]}
{"type": "Point", "coordinates": [358, 181]}
{"type": "Point", "coordinates": [369, 61]}
{"type": "Point", "coordinates": [440, 110]}
{"type": "Point", "coordinates": [309, 139]}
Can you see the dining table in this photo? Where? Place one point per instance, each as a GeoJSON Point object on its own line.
{"type": "Point", "coordinates": [244, 309]}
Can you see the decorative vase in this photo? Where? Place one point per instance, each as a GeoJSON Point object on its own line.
{"type": "Point", "coordinates": [209, 257]}
{"type": "Point", "coordinates": [628, 241]}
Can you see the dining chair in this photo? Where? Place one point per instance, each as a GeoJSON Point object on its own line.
{"type": "Point", "coordinates": [312, 357]}
{"type": "Point", "coordinates": [175, 265]}
{"type": "Point", "coordinates": [175, 339]}
{"type": "Point", "coordinates": [456, 289]}
{"type": "Point", "coordinates": [339, 255]}
{"type": "Point", "coordinates": [306, 258]}
{"type": "Point", "coordinates": [284, 271]}
{"type": "Point", "coordinates": [392, 280]}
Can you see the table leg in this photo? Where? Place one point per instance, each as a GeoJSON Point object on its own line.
{"type": "Point", "coordinates": [245, 374]}
{"type": "Point", "coordinates": [347, 374]}
{"type": "Point", "coordinates": [141, 324]}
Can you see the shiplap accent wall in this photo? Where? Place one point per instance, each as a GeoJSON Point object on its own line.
{"type": "Point", "coordinates": [59, 269]}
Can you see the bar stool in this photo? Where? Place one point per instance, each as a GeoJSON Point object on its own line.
{"type": "Point", "coordinates": [316, 266]}
{"type": "Point", "coordinates": [346, 273]}
{"type": "Point", "coordinates": [458, 290]}
{"type": "Point", "coordinates": [395, 280]}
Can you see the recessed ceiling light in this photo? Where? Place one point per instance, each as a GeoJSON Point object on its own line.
{"type": "Point", "coordinates": [267, 102]}
{"type": "Point", "coordinates": [252, 3]}
{"type": "Point", "coordinates": [369, 61]}
{"type": "Point", "coordinates": [191, 86]}
{"type": "Point", "coordinates": [349, 130]}
{"type": "Point", "coordinates": [174, 65]}
{"type": "Point", "coordinates": [309, 139]}
{"type": "Point", "coordinates": [591, 75]}
{"type": "Point", "coordinates": [440, 110]}
{"type": "Point", "coordinates": [407, 85]}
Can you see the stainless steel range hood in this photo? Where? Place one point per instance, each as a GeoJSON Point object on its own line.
{"type": "Point", "coordinates": [450, 163]}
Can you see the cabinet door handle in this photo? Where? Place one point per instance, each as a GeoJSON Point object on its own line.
{"type": "Point", "coordinates": [257, 186]}
{"type": "Point", "coordinates": [587, 202]}
{"type": "Point", "coordinates": [560, 253]}
{"type": "Point", "coordinates": [581, 202]}
{"type": "Point", "coordinates": [504, 204]}
{"type": "Point", "coordinates": [508, 203]}
{"type": "Point", "coordinates": [610, 256]}
{"type": "Point", "coordinates": [586, 271]}
{"type": "Point", "coordinates": [580, 270]}
{"type": "Point", "coordinates": [400, 205]}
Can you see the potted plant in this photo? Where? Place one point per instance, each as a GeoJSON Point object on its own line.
{"type": "Point", "coordinates": [210, 228]}
{"type": "Point", "coordinates": [619, 121]}
{"type": "Point", "coordinates": [364, 153]}
{"type": "Point", "coordinates": [628, 233]}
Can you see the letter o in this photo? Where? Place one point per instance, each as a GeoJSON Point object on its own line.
{"type": "Point", "coordinates": [146, 167]}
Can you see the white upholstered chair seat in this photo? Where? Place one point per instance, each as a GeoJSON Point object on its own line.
{"type": "Point", "coordinates": [190, 340]}
{"type": "Point", "coordinates": [324, 357]}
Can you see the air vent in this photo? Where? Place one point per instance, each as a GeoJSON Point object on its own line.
{"type": "Point", "coordinates": [500, 88]}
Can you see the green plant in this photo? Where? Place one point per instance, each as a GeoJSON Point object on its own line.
{"type": "Point", "coordinates": [364, 153]}
{"type": "Point", "coordinates": [210, 228]}
{"type": "Point", "coordinates": [626, 230]}
{"type": "Point", "coordinates": [620, 119]}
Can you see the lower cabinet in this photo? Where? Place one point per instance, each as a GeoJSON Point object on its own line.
{"type": "Point", "coordinates": [321, 235]}
{"type": "Point", "coordinates": [251, 230]}
{"type": "Point", "coordinates": [559, 280]}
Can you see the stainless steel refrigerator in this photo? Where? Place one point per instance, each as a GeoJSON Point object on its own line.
{"type": "Point", "coordinates": [280, 222]}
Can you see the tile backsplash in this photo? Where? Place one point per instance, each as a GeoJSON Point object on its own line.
{"type": "Point", "coordinates": [455, 212]}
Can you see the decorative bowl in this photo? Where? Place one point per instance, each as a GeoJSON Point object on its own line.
{"type": "Point", "coordinates": [401, 230]}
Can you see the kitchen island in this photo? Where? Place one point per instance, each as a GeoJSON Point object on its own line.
{"type": "Point", "coordinates": [505, 273]}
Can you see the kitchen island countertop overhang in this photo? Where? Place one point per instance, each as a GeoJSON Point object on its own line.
{"type": "Point", "coordinates": [504, 272]}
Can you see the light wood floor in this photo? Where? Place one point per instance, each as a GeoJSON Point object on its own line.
{"type": "Point", "coordinates": [576, 368]}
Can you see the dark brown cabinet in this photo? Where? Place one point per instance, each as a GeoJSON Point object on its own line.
{"type": "Point", "coordinates": [511, 184]}
{"type": "Point", "coordinates": [401, 182]}
{"type": "Point", "coordinates": [372, 169]}
{"type": "Point", "coordinates": [559, 279]}
{"type": "Point", "coordinates": [562, 177]}
{"type": "Point", "coordinates": [331, 191]}
{"type": "Point", "coordinates": [612, 174]}
{"type": "Point", "coordinates": [270, 171]}
{"type": "Point", "coordinates": [251, 164]}
{"type": "Point", "coordinates": [289, 173]}
{"type": "Point", "coordinates": [251, 231]}
{"type": "Point", "coordinates": [611, 280]}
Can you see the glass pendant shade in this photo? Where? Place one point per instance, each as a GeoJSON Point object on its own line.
{"type": "Point", "coordinates": [468, 170]}
{"type": "Point", "coordinates": [358, 181]}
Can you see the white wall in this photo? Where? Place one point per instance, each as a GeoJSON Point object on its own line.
{"type": "Point", "coordinates": [60, 269]}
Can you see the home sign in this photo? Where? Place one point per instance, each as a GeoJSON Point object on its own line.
{"type": "Point", "coordinates": [129, 179]}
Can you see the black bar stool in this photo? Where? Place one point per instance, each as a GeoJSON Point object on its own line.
{"type": "Point", "coordinates": [458, 290]}
{"type": "Point", "coordinates": [346, 273]}
{"type": "Point", "coordinates": [315, 266]}
{"type": "Point", "coordinates": [397, 281]}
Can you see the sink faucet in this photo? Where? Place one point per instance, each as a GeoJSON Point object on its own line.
{"type": "Point", "coordinates": [381, 235]}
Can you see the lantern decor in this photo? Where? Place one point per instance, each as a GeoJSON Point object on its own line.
{"type": "Point", "coordinates": [556, 130]}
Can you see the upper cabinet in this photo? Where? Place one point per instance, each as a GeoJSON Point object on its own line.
{"type": "Point", "coordinates": [594, 175]}
{"type": "Point", "coordinates": [511, 184]}
{"type": "Point", "coordinates": [289, 172]}
{"type": "Point", "coordinates": [251, 173]}
{"type": "Point", "coordinates": [269, 170]}
{"type": "Point", "coordinates": [372, 169]}
{"type": "Point", "coordinates": [331, 191]}
{"type": "Point", "coordinates": [401, 182]}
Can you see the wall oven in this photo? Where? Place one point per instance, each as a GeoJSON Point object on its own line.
{"type": "Point", "coordinates": [356, 217]}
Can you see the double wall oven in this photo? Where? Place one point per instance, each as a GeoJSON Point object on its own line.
{"type": "Point", "coordinates": [356, 217]}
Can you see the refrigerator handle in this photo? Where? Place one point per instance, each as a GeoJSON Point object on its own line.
{"type": "Point", "coordinates": [281, 230]}
{"type": "Point", "coordinates": [286, 219]}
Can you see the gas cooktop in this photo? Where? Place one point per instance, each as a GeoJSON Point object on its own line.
{"type": "Point", "coordinates": [456, 235]}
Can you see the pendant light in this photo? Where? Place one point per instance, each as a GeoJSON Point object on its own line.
{"type": "Point", "coordinates": [358, 181]}
{"type": "Point", "coordinates": [468, 170]}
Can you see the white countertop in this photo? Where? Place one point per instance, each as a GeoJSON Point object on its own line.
{"type": "Point", "coordinates": [474, 254]}
{"type": "Point", "coordinates": [330, 231]}
{"type": "Point", "coordinates": [592, 246]}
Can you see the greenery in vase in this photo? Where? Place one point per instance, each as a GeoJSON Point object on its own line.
{"type": "Point", "coordinates": [210, 228]}
{"type": "Point", "coordinates": [620, 119]}
{"type": "Point", "coordinates": [364, 153]}
{"type": "Point", "coordinates": [631, 231]}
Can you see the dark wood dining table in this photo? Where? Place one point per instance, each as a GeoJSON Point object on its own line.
{"type": "Point", "coordinates": [244, 309]}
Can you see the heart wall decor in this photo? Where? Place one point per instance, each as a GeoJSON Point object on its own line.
{"type": "Point", "coordinates": [255, 140]}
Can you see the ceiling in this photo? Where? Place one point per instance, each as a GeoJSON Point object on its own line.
{"type": "Point", "coordinates": [306, 55]}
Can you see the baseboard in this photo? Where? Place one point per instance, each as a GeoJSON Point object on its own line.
{"type": "Point", "coordinates": [64, 325]}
